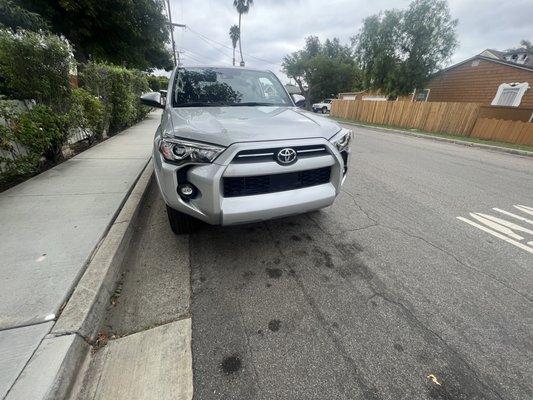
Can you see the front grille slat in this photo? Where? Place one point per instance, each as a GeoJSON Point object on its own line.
{"type": "Point", "coordinates": [254, 155]}
{"type": "Point", "coordinates": [254, 185]}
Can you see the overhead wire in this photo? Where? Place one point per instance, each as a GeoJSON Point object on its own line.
{"type": "Point", "coordinates": [210, 41]}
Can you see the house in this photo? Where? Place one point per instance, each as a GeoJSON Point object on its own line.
{"type": "Point", "coordinates": [491, 78]}
{"type": "Point", "coordinates": [368, 95]}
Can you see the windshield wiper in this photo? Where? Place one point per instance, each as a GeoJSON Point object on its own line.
{"type": "Point", "coordinates": [202, 104]}
{"type": "Point", "coordinates": [255, 104]}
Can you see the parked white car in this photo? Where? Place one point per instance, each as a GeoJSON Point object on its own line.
{"type": "Point", "coordinates": [324, 107]}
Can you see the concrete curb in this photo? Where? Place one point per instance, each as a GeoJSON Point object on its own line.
{"type": "Point", "coordinates": [64, 352]}
{"type": "Point", "coordinates": [441, 139]}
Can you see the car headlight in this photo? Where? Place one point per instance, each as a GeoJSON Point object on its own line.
{"type": "Point", "coordinates": [183, 151]}
{"type": "Point", "coordinates": [342, 139]}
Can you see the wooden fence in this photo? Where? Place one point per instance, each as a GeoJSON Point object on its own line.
{"type": "Point", "coordinates": [501, 130]}
{"type": "Point", "coordinates": [452, 118]}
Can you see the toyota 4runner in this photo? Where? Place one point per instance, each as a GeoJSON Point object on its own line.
{"type": "Point", "coordinates": [232, 148]}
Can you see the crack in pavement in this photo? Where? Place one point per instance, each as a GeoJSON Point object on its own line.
{"type": "Point", "coordinates": [376, 286]}
{"type": "Point", "coordinates": [445, 251]}
{"type": "Point", "coordinates": [369, 392]}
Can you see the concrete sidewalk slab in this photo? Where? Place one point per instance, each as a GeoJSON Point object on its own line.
{"type": "Point", "coordinates": [52, 223]}
{"type": "Point", "coordinates": [16, 347]}
{"type": "Point", "coordinates": [49, 361]}
{"type": "Point", "coordinates": [155, 364]}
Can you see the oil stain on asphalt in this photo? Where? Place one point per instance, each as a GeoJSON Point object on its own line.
{"type": "Point", "coordinates": [231, 364]}
{"type": "Point", "coordinates": [274, 325]}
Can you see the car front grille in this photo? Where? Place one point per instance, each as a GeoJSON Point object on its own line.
{"type": "Point", "coordinates": [262, 184]}
{"type": "Point", "coordinates": [269, 154]}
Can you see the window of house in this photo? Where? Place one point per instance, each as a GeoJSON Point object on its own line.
{"type": "Point", "coordinates": [510, 94]}
{"type": "Point", "coordinates": [421, 95]}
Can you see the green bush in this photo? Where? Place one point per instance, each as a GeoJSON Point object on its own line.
{"type": "Point", "coordinates": [87, 112]}
{"type": "Point", "coordinates": [157, 83]}
{"type": "Point", "coordinates": [41, 131]}
{"type": "Point", "coordinates": [119, 89]}
{"type": "Point", "coordinates": [29, 137]}
{"type": "Point", "coordinates": [139, 85]}
{"type": "Point", "coordinates": [35, 66]}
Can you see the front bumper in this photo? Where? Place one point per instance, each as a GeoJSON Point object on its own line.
{"type": "Point", "coordinates": [212, 207]}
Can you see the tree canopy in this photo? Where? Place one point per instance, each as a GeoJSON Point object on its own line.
{"type": "Point", "coordinates": [132, 33]}
{"type": "Point", "coordinates": [398, 50]}
{"type": "Point", "coordinates": [321, 70]}
{"type": "Point", "coordinates": [14, 17]}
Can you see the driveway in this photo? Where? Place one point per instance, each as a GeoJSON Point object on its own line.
{"type": "Point", "coordinates": [384, 295]}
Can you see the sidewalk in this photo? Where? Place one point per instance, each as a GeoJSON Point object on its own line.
{"type": "Point", "coordinates": [50, 226]}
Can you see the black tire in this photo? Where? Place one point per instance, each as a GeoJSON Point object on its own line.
{"type": "Point", "coordinates": [181, 224]}
{"type": "Point", "coordinates": [324, 110]}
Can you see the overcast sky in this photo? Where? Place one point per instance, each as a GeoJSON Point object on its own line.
{"type": "Point", "coordinates": [274, 28]}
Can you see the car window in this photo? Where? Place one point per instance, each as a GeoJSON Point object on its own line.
{"type": "Point", "coordinates": [227, 87]}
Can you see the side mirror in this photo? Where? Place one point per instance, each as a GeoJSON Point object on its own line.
{"type": "Point", "coordinates": [153, 99]}
{"type": "Point", "coordinates": [299, 100]}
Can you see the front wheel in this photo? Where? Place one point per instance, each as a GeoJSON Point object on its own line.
{"type": "Point", "coordinates": [324, 110]}
{"type": "Point", "coordinates": [180, 223]}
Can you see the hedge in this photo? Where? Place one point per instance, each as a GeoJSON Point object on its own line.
{"type": "Point", "coordinates": [35, 67]}
{"type": "Point", "coordinates": [119, 89]}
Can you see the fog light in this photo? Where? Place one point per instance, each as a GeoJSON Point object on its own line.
{"type": "Point", "coordinates": [186, 190]}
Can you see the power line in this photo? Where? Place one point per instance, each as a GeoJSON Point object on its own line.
{"type": "Point", "coordinates": [195, 57]}
{"type": "Point", "coordinates": [198, 55]}
{"type": "Point", "coordinates": [211, 44]}
{"type": "Point", "coordinates": [207, 40]}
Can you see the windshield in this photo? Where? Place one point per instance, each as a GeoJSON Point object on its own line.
{"type": "Point", "coordinates": [204, 87]}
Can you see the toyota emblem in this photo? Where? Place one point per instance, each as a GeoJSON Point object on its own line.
{"type": "Point", "coordinates": [286, 156]}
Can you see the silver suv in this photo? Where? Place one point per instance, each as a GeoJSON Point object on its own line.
{"type": "Point", "coordinates": [233, 148]}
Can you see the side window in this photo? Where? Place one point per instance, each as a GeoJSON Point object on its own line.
{"type": "Point", "coordinates": [510, 94]}
{"type": "Point", "coordinates": [270, 90]}
{"type": "Point", "coordinates": [421, 95]}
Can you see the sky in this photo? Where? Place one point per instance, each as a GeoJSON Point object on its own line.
{"type": "Point", "coordinates": [274, 28]}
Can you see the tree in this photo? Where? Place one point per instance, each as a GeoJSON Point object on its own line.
{"type": "Point", "coordinates": [321, 70]}
{"type": "Point", "coordinates": [14, 17]}
{"type": "Point", "coordinates": [234, 34]}
{"type": "Point", "coordinates": [128, 33]}
{"type": "Point", "coordinates": [526, 44]}
{"type": "Point", "coordinates": [398, 50]}
{"type": "Point", "coordinates": [376, 48]}
{"type": "Point", "coordinates": [242, 7]}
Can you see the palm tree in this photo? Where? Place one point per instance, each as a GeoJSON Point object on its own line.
{"type": "Point", "coordinates": [234, 34]}
{"type": "Point", "coordinates": [242, 7]}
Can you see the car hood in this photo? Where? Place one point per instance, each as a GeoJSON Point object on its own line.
{"type": "Point", "coordinates": [227, 125]}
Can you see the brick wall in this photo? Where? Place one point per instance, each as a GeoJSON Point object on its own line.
{"type": "Point", "coordinates": [478, 84]}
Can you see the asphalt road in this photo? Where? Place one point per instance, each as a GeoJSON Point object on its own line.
{"type": "Point", "coordinates": [384, 295]}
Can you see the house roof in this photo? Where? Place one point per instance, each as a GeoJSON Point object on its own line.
{"type": "Point", "coordinates": [520, 55]}
{"type": "Point", "coordinates": [527, 67]}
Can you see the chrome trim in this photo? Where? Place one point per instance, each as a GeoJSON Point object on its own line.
{"type": "Point", "coordinates": [254, 155]}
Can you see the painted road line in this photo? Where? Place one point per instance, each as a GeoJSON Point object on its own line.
{"type": "Point", "coordinates": [496, 226]}
{"type": "Point", "coordinates": [498, 235]}
{"type": "Point", "coordinates": [506, 223]}
{"type": "Point", "coordinates": [526, 209]}
{"type": "Point", "coordinates": [514, 215]}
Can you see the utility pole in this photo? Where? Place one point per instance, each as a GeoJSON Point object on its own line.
{"type": "Point", "coordinates": [172, 25]}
